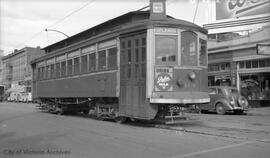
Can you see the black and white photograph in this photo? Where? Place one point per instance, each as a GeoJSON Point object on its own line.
{"type": "Point", "coordinates": [134, 78]}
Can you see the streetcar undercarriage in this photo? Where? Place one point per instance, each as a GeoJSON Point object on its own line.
{"type": "Point", "coordinates": [108, 109]}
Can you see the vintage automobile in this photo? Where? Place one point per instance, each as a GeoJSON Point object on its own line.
{"type": "Point", "coordinates": [225, 99]}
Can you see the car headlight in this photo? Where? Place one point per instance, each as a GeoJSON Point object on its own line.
{"type": "Point", "coordinates": [192, 75]}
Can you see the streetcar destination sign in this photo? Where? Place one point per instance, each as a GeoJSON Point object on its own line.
{"type": "Point", "coordinates": [263, 49]}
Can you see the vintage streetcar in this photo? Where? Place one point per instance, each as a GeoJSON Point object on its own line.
{"type": "Point", "coordinates": [133, 66]}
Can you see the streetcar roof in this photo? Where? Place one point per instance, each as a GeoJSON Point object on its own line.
{"type": "Point", "coordinates": [128, 20]}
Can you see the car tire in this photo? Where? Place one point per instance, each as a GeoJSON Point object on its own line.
{"type": "Point", "coordinates": [220, 109]}
{"type": "Point", "coordinates": [120, 119]}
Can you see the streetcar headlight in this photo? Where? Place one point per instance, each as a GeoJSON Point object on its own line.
{"type": "Point", "coordinates": [192, 75]}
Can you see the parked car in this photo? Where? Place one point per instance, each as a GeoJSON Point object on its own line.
{"type": "Point", "coordinates": [225, 99]}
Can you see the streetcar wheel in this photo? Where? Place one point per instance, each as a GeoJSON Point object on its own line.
{"type": "Point", "coordinates": [220, 109]}
{"type": "Point", "coordinates": [120, 119]}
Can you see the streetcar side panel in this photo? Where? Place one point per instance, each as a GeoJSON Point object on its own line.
{"type": "Point", "coordinates": [91, 85]}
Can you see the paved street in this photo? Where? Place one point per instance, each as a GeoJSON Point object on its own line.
{"type": "Point", "coordinates": [26, 132]}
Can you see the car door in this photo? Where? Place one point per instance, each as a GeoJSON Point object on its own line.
{"type": "Point", "coordinates": [212, 93]}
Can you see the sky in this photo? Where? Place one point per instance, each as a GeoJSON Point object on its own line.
{"type": "Point", "coordinates": [23, 22]}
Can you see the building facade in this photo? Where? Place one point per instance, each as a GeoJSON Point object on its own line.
{"type": "Point", "coordinates": [17, 72]}
{"type": "Point", "coordinates": [1, 66]}
{"type": "Point", "coordinates": [235, 62]}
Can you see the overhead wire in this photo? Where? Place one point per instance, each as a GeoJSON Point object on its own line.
{"type": "Point", "coordinates": [196, 10]}
{"type": "Point", "coordinates": [53, 24]}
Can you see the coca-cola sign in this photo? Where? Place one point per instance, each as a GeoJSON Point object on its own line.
{"type": "Point", "coordinates": [228, 9]}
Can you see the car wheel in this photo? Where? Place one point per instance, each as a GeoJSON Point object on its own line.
{"type": "Point", "coordinates": [120, 119]}
{"type": "Point", "coordinates": [220, 109]}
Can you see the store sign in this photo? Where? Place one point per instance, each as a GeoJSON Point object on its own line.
{"type": "Point", "coordinates": [229, 9]}
{"type": "Point", "coordinates": [263, 49]}
{"type": "Point", "coordinates": [163, 79]}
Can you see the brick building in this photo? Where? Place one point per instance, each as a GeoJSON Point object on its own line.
{"type": "Point", "coordinates": [17, 72]}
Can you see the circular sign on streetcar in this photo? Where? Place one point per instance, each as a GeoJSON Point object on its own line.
{"type": "Point", "coordinates": [163, 82]}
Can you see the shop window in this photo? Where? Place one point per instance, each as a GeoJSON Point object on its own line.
{"type": "Point", "coordinates": [261, 63]}
{"type": "Point", "coordinates": [102, 60]}
{"type": "Point", "coordinates": [222, 67]}
{"type": "Point", "coordinates": [188, 48]}
{"type": "Point", "coordinates": [203, 55]}
{"type": "Point", "coordinates": [268, 62]}
{"type": "Point", "coordinates": [77, 65]}
{"type": "Point", "coordinates": [214, 67]}
{"type": "Point", "coordinates": [242, 65]}
{"type": "Point", "coordinates": [248, 64]}
{"type": "Point", "coordinates": [112, 57]}
{"type": "Point", "coordinates": [92, 62]}
{"type": "Point", "coordinates": [63, 68]}
{"type": "Point", "coordinates": [69, 67]}
{"type": "Point", "coordinates": [84, 64]}
{"type": "Point", "coordinates": [57, 70]}
{"type": "Point", "coordinates": [255, 64]}
{"type": "Point", "coordinates": [166, 50]}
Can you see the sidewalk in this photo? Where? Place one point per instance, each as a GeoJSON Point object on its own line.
{"type": "Point", "coordinates": [263, 111]}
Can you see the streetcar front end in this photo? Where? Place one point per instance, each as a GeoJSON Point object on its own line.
{"type": "Point", "coordinates": [177, 78]}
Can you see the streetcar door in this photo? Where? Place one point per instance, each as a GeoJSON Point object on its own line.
{"type": "Point", "coordinates": [133, 75]}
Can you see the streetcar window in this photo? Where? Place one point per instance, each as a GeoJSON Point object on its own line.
{"type": "Point", "coordinates": [102, 60]}
{"type": "Point", "coordinates": [77, 65]}
{"type": "Point", "coordinates": [39, 75]}
{"type": "Point", "coordinates": [69, 67]}
{"type": "Point", "coordinates": [48, 72]}
{"type": "Point", "coordinates": [57, 70]}
{"type": "Point", "coordinates": [84, 64]}
{"type": "Point", "coordinates": [63, 68]}
{"type": "Point", "coordinates": [143, 41]}
{"type": "Point", "coordinates": [92, 62]}
{"type": "Point", "coordinates": [112, 57]}
{"type": "Point", "coordinates": [43, 73]}
{"type": "Point", "coordinates": [52, 71]}
{"type": "Point", "coordinates": [203, 55]}
{"type": "Point", "coordinates": [188, 48]}
{"type": "Point", "coordinates": [166, 49]}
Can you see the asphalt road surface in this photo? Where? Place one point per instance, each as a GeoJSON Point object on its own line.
{"type": "Point", "coordinates": [26, 132]}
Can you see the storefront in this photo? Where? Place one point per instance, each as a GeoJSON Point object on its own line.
{"type": "Point", "coordinates": [254, 78]}
{"type": "Point", "coordinates": [235, 62]}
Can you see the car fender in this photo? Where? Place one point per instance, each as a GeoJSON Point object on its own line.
{"type": "Point", "coordinates": [226, 104]}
